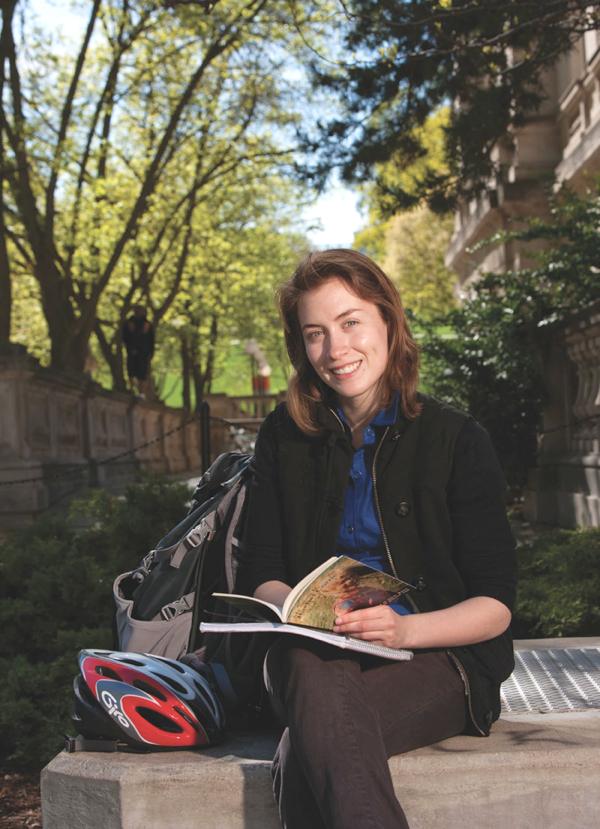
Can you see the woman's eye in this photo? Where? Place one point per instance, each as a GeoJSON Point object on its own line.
{"type": "Point", "coordinates": [350, 323]}
{"type": "Point", "coordinates": [312, 335]}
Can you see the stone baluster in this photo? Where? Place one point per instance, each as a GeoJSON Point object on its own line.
{"type": "Point", "coordinates": [583, 346]}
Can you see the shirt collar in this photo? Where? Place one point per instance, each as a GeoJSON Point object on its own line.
{"type": "Point", "coordinates": [384, 417]}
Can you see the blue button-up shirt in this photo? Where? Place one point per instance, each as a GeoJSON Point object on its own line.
{"type": "Point", "coordinates": [360, 534]}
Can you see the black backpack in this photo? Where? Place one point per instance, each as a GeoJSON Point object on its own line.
{"type": "Point", "coordinates": [161, 603]}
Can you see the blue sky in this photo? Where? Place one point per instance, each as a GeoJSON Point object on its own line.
{"type": "Point", "coordinates": [338, 214]}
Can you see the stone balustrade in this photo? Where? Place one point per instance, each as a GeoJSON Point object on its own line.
{"type": "Point", "coordinates": [565, 486]}
{"type": "Point", "coordinates": [583, 346]}
{"type": "Point", "coordinates": [62, 433]}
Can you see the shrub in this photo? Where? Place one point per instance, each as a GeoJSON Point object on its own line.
{"type": "Point", "coordinates": [559, 585]}
{"type": "Point", "coordinates": [56, 598]}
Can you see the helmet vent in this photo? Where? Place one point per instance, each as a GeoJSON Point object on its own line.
{"type": "Point", "coordinates": [159, 720]}
{"type": "Point", "coordinates": [149, 689]}
{"type": "Point", "coordinates": [104, 670]}
{"type": "Point", "coordinates": [176, 686]}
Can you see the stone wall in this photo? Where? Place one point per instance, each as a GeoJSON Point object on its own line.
{"type": "Point", "coordinates": [564, 488]}
{"type": "Point", "coordinates": [60, 434]}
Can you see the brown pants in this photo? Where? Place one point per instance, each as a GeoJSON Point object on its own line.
{"type": "Point", "coordinates": [345, 715]}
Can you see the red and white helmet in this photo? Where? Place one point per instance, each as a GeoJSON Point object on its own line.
{"type": "Point", "coordinates": [146, 700]}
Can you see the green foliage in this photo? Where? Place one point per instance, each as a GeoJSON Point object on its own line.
{"type": "Point", "coordinates": [411, 244]}
{"type": "Point", "coordinates": [152, 163]}
{"type": "Point", "coordinates": [416, 242]}
{"type": "Point", "coordinates": [559, 585]}
{"type": "Point", "coordinates": [402, 61]}
{"type": "Point", "coordinates": [410, 247]}
{"type": "Point", "coordinates": [56, 598]}
{"type": "Point", "coordinates": [397, 175]}
{"type": "Point", "coordinates": [489, 358]}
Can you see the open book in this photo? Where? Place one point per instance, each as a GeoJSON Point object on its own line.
{"type": "Point", "coordinates": [338, 585]}
{"type": "Point", "coordinates": [339, 640]}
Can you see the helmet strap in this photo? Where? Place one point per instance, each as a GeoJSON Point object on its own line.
{"type": "Point", "coordinates": [80, 743]}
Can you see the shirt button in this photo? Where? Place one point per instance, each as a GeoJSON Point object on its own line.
{"type": "Point", "coordinates": [402, 508]}
{"type": "Point", "coordinates": [350, 528]}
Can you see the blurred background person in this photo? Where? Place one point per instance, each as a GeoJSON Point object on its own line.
{"type": "Point", "coordinates": [138, 339]}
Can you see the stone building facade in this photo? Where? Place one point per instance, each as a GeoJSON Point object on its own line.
{"type": "Point", "coordinates": [558, 145]}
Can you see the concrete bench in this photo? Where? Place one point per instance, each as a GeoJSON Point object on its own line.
{"type": "Point", "coordinates": [535, 770]}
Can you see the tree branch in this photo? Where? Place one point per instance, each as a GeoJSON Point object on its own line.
{"type": "Point", "coordinates": [226, 38]}
{"type": "Point", "coordinates": [66, 117]}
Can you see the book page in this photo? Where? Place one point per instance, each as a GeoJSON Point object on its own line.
{"type": "Point", "coordinates": [257, 608]}
{"type": "Point", "coordinates": [290, 599]}
{"type": "Point", "coordinates": [343, 585]}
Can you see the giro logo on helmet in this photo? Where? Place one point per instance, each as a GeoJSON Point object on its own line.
{"type": "Point", "coordinates": [113, 708]}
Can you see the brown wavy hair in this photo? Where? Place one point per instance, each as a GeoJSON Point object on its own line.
{"type": "Point", "coordinates": [366, 280]}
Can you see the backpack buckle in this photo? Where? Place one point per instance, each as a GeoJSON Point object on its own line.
{"type": "Point", "coordinates": [174, 609]}
{"type": "Point", "coordinates": [198, 534]}
{"type": "Point", "coordinates": [147, 562]}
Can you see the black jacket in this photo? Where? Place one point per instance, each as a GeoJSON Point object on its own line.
{"type": "Point", "coordinates": [440, 492]}
{"type": "Point", "coordinates": [138, 337]}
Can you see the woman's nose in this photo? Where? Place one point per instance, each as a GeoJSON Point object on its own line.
{"type": "Point", "coordinates": [337, 345]}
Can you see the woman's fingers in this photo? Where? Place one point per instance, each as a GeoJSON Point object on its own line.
{"type": "Point", "coordinates": [365, 620]}
{"type": "Point", "coordinates": [364, 616]}
{"type": "Point", "coordinates": [373, 624]}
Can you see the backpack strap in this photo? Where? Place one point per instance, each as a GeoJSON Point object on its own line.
{"type": "Point", "coordinates": [201, 534]}
{"type": "Point", "coordinates": [231, 540]}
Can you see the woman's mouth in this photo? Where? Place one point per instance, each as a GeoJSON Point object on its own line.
{"type": "Point", "coordinates": [344, 371]}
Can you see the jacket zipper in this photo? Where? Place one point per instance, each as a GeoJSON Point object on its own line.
{"type": "Point", "coordinates": [465, 679]}
{"type": "Point", "coordinates": [456, 661]}
{"type": "Point", "coordinates": [378, 506]}
{"type": "Point", "coordinates": [405, 598]}
{"type": "Point", "coordinates": [338, 419]}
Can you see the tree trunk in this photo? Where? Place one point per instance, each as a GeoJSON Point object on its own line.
{"type": "Point", "coordinates": [195, 357]}
{"type": "Point", "coordinates": [5, 277]}
{"type": "Point", "coordinates": [210, 353]}
{"type": "Point", "coordinates": [186, 390]}
{"type": "Point", "coordinates": [5, 288]}
{"type": "Point", "coordinates": [113, 357]}
{"type": "Point", "coordinates": [68, 342]}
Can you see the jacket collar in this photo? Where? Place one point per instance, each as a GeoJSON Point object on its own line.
{"type": "Point", "coordinates": [332, 419]}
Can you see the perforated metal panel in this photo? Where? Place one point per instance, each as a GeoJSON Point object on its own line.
{"type": "Point", "coordinates": [553, 680]}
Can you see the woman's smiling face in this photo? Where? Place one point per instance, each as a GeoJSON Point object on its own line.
{"type": "Point", "coordinates": [346, 342]}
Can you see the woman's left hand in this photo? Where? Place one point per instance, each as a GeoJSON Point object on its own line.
{"type": "Point", "coordinates": [379, 624]}
{"type": "Point", "coordinates": [473, 620]}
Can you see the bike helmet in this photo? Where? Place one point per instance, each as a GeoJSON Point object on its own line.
{"type": "Point", "coordinates": [146, 701]}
